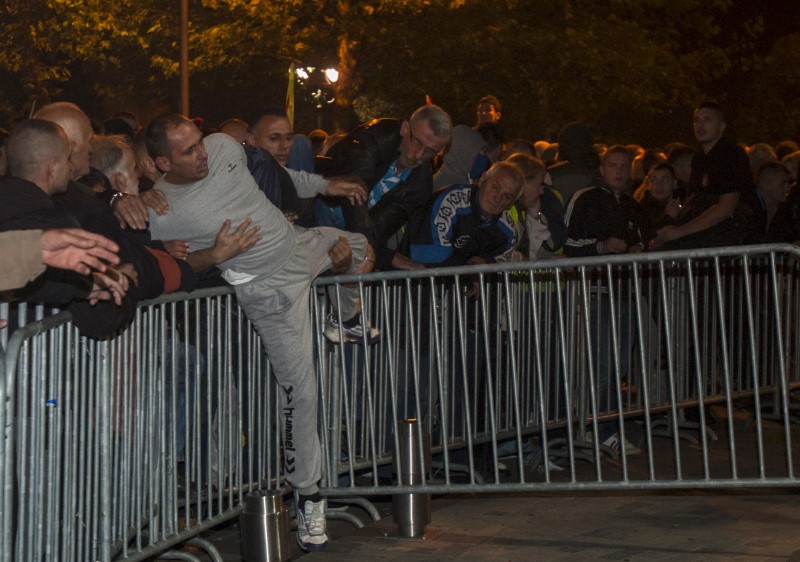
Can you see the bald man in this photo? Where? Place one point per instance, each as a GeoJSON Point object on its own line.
{"type": "Point", "coordinates": [235, 128]}
{"type": "Point", "coordinates": [130, 210]}
{"type": "Point", "coordinates": [93, 214]}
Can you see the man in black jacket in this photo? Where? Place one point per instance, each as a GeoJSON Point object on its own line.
{"type": "Point", "coordinates": [392, 157]}
{"type": "Point", "coordinates": [39, 167]}
{"type": "Point", "coordinates": [720, 175]}
{"type": "Point", "coordinates": [604, 219]}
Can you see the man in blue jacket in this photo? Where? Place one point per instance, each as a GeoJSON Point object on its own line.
{"type": "Point", "coordinates": [465, 224]}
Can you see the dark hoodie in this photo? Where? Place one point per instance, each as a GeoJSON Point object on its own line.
{"type": "Point", "coordinates": [579, 163]}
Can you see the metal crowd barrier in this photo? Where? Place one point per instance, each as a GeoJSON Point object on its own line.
{"type": "Point", "coordinates": [691, 355]}
{"type": "Point", "coordinates": [122, 449]}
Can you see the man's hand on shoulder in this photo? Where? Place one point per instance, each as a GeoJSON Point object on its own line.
{"type": "Point", "coordinates": [130, 211]}
{"type": "Point", "coordinates": [156, 200]}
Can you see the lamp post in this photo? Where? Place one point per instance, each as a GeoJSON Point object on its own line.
{"type": "Point", "coordinates": [184, 62]}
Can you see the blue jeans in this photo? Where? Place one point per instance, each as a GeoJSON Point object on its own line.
{"type": "Point", "coordinates": [187, 358]}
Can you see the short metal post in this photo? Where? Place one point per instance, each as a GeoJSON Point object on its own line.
{"type": "Point", "coordinates": [412, 512]}
{"type": "Point", "coordinates": [264, 526]}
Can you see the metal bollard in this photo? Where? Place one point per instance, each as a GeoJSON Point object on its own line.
{"type": "Point", "coordinates": [264, 528]}
{"type": "Point", "coordinates": [412, 512]}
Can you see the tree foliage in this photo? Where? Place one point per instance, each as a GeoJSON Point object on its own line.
{"type": "Point", "coordinates": [630, 69]}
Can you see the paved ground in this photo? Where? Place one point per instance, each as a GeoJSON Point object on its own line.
{"type": "Point", "coordinates": [630, 525]}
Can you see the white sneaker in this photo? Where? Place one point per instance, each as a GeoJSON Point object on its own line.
{"type": "Point", "coordinates": [613, 443]}
{"type": "Point", "coordinates": [352, 334]}
{"type": "Point", "coordinates": [311, 526]}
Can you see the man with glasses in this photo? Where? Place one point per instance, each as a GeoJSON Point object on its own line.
{"type": "Point", "coordinates": [392, 158]}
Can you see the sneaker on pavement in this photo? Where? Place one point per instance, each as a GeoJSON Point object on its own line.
{"type": "Point", "coordinates": [311, 526]}
{"type": "Point", "coordinates": [352, 334]}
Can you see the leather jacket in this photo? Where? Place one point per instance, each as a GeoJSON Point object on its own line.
{"type": "Point", "coordinates": [365, 155]}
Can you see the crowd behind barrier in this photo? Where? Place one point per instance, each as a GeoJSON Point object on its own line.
{"type": "Point", "coordinates": [121, 449]}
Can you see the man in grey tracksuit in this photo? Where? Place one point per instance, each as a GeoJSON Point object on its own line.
{"type": "Point", "coordinates": [207, 184]}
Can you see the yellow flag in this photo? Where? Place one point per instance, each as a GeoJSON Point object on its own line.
{"type": "Point", "coordinates": [290, 95]}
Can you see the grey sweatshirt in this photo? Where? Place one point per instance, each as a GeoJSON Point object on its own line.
{"type": "Point", "coordinates": [197, 211]}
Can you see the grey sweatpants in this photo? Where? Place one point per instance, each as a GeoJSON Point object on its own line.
{"type": "Point", "coordinates": [278, 307]}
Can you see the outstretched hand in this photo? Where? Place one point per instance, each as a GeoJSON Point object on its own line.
{"type": "Point", "coordinates": [340, 187]}
{"type": "Point", "coordinates": [78, 250]}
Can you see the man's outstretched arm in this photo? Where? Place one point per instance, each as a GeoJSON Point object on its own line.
{"type": "Point", "coordinates": [27, 252]}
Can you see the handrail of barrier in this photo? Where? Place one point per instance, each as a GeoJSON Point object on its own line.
{"type": "Point", "coordinates": [561, 263]}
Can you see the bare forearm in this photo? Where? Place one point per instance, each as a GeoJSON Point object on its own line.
{"type": "Point", "coordinates": [201, 260]}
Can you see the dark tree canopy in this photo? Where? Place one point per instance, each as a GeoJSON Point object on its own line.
{"type": "Point", "coordinates": [631, 69]}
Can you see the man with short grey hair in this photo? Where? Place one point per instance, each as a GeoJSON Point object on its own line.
{"type": "Point", "coordinates": [392, 158]}
{"type": "Point", "coordinates": [465, 224]}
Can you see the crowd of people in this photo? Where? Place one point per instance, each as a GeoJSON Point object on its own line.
{"type": "Point", "coordinates": [97, 217]}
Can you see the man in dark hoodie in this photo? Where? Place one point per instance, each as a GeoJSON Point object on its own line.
{"type": "Point", "coordinates": [578, 162]}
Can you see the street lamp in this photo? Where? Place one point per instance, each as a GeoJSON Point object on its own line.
{"type": "Point", "coordinates": [331, 75]}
